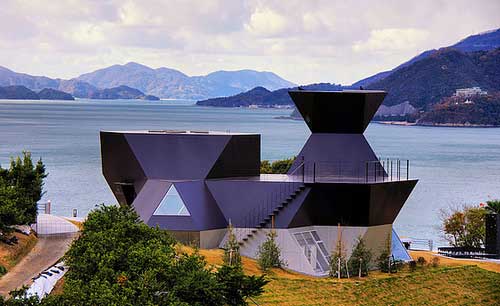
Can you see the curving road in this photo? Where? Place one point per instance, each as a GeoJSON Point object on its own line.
{"type": "Point", "coordinates": [45, 253]}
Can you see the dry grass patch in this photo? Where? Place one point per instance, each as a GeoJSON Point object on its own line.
{"type": "Point", "coordinates": [454, 262]}
{"type": "Point", "coordinates": [10, 255]}
{"type": "Point", "coordinates": [76, 223]}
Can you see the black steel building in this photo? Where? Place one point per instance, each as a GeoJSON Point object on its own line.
{"type": "Point", "coordinates": [195, 183]}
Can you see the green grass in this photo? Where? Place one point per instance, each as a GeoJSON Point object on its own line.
{"type": "Point", "coordinates": [466, 285]}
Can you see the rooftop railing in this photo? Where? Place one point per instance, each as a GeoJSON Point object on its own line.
{"type": "Point", "coordinates": [376, 171]}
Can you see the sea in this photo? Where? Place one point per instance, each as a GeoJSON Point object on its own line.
{"type": "Point", "coordinates": [455, 166]}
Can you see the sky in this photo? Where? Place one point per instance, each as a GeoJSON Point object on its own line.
{"type": "Point", "coordinates": [304, 42]}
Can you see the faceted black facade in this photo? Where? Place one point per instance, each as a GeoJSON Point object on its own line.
{"type": "Point", "coordinates": [336, 178]}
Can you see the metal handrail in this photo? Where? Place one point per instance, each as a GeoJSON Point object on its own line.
{"type": "Point", "coordinates": [265, 210]}
{"type": "Point", "coordinates": [373, 171]}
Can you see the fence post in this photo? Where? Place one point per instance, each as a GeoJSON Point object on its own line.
{"type": "Point", "coordinates": [407, 169]}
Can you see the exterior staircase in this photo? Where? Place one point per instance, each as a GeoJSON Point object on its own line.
{"type": "Point", "coordinates": [267, 218]}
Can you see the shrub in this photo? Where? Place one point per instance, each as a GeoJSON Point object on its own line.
{"type": "Point", "coordinates": [276, 167]}
{"type": "Point", "coordinates": [236, 287]}
{"type": "Point", "coordinates": [421, 261]}
{"type": "Point", "coordinates": [269, 253]}
{"type": "Point", "coordinates": [359, 263]}
{"type": "Point", "coordinates": [396, 265]}
{"type": "Point", "coordinates": [119, 260]}
{"type": "Point", "coordinates": [232, 255]}
{"type": "Point", "coordinates": [3, 270]}
{"type": "Point", "coordinates": [384, 259]}
{"type": "Point", "coordinates": [412, 266]}
{"type": "Point", "coordinates": [435, 261]}
{"type": "Point", "coordinates": [19, 298]}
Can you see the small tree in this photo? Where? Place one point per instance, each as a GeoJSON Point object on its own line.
{"type": "Point", "coordinates": [493, 206]}
{"type": "Point", "coordinates": [269, 253]}
{"type": "Point", "coordinates": [20, 189]}
{"type": "Point", "coordinates": [359, 262]}
{"type": "Point", "coordinates": [464, 228]}
{"type": "Point", "coordinates": [338, 260]}
{"type": "Point", "coordinates": [236, 287]}
{"type": "Point", "coordinates": [385, 258]}
{"type": "Point", "coordinates": [276, 167]}
{"type": "Point", "coordinates": [232, 255]}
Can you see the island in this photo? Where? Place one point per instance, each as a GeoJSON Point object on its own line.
{"type": "Point", "coordinates": [121, 92]}
{"type": "Point", "coordinates": [53, 94]}
{"type": "Point", "coordinates": [17, 92]}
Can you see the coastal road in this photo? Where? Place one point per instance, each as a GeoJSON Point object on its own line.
{"type": "Point", "coordinates": [45, 253]}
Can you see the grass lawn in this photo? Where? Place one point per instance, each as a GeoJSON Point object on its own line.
{"type": "Point", "coordinates": [465, 285]}
{"type": "Point", "coordinates": [452, 283]}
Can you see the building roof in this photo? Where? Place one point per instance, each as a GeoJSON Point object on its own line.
{"type": "Point", "coordinates": [179, 132]}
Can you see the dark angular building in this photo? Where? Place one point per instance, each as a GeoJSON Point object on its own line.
{"type": "Point", "coordinates": [194, 183]}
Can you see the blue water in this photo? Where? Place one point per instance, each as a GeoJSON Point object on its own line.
{"type": "Point", "coordinates": [455, 165]}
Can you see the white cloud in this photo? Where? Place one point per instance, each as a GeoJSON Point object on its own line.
{"type": "Point", "coordinates": [391, 40]}
{"type": "Point", "coordinates": [266, 22]}
{"type": "Point", "coordinates": [86, 33]}
{"type": "Point", "coordinates": [304, 41]}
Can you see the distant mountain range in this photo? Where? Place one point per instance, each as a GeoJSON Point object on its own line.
{"type": "Point", "coordinates": [413, 87]}
{"type": "Point", "coordinates": [429, 80]}
{"type": "Point", "coordinates": [162, 82]}
{"type": "Point", "coordinates": [170, 83]}
{"type": "Point", "coordinates": [260, 96]}
{"type": "Point", "coordinates": [481, 42]}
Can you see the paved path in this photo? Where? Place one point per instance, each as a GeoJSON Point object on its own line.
{"type": "Point", "coordinates": [51, 224]}
{"type": "Point", "coordinates": [45, 253]}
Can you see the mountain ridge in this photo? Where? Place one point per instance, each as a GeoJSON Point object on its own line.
{"type": "Point", "coordinates": [484, 41]}
{"type": "Point", "coordinates": [170, 83]}
{"type": "Point", "coordinates": [439, 75]}
{"type": "Point", "coordinates": [262, 97]}
{"type": "Point", "coordinates": [163, 82]}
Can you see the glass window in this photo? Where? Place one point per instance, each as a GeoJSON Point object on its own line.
{"type": "Point", "coordinates": [172, 204]}
{"type": "Point", "coordinates": [322, 262]}
{"type": "Point", "coordinates": [300, 240]}
{"type": "Point", "coordinates": [309, 238]}
{"type": "Point", "coordinates": [322, 247]}
{"type": "Point", "coordinates": [314, 250]}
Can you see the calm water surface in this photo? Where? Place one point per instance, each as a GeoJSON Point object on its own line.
{"type": "Point", "coordinates": [454, 165]}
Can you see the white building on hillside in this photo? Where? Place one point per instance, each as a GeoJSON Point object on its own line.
{"type": "Point", "coordinates": [471, 91]}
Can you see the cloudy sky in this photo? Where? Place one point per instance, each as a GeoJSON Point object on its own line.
{"type": "Point", "coordinates": [303, 41]}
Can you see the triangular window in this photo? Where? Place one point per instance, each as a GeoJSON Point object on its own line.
{"type": "Point", "coordinates": [172, 204]}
